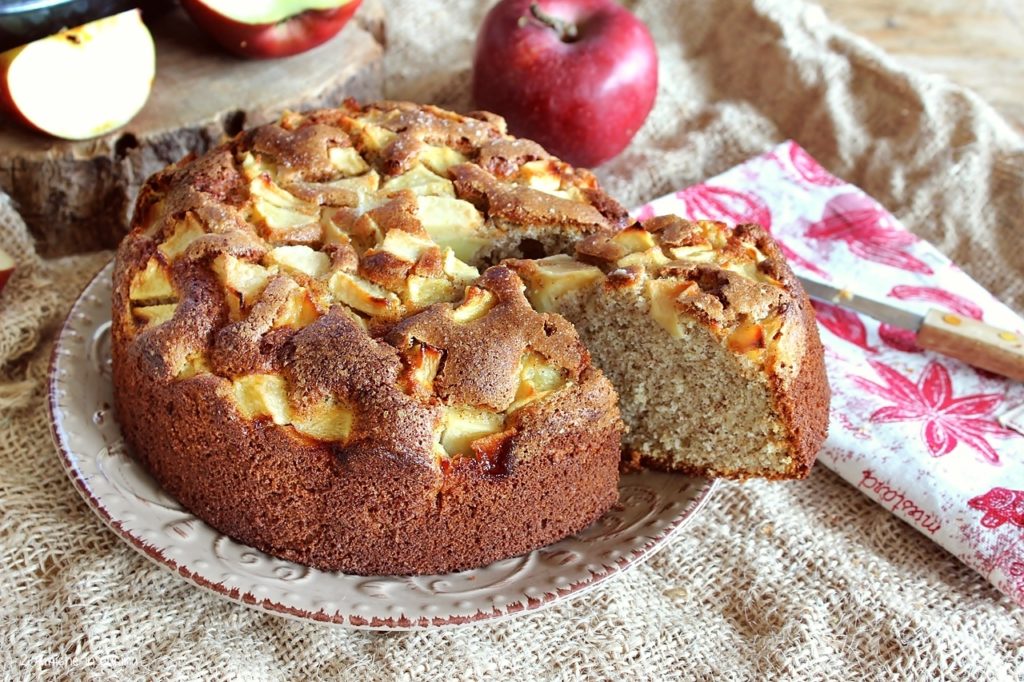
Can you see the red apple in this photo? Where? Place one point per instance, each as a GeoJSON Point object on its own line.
{"type": "Point", "coordinates": [577, 76]}
{"type": "Point", "coordinates": [6, 268]}
{"type": "Point", "coordinates": [81, 82]}
{"type": "Point", "coordinates": [263, 29]}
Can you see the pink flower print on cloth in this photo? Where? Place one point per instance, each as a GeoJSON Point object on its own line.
{"type": "Point", "coordinates": [1000, 506]}
{"type": "Point", "coordinates": [808, 170]}
{"type": "Point", "coordinates": [868, 231]}
{"type": "Point", "coordinates": [844, 323]}
{"type": "Point", "coordinates": [947, 421]}
{"type": "Point", "coordinates": [710, 202]}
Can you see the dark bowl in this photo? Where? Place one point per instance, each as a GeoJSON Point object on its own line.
{"type": "Point", "coordinates": [22, 21]}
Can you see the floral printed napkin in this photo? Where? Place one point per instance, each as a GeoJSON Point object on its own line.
{"type": "Point", "coordinates": [918, 433]}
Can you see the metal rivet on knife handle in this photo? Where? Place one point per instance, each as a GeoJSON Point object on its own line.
{"type": "Point", "coordinates": [976, 343]}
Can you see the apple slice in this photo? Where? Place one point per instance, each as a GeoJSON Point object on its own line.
{"type": "Point", "coordinates": [550, 278]}
{"type": "Point", "coordinates": [537, 379]}
{"type": "Point", "coordinates": [264, 29]}
{"type": "Point", "coordinates": [475, 304]}
{"type": "Point", "coordinates": [81, 82]}
{"type": "Point", "coordinates": [462, 425]}
{"type": "Point", "coordinates": [6, 268]}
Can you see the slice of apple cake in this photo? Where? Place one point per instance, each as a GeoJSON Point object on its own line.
{"type": "Point", "coordinates": [708, 338]}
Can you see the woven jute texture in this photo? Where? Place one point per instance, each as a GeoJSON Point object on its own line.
{"type": "Point", "coordinates": [805, 580]}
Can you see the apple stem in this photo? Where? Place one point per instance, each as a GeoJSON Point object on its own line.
{"type": "Point", "coordinates": [566, 30]}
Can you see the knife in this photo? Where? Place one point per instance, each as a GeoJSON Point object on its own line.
{"type": "Point", "coordinates": [976, 343]}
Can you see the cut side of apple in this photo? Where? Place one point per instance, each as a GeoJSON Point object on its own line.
{"type": "Point", "coordinates": [664, 295]}
{"type": "Point", "coordinates": [327, 422]}
{"type": "Point", "coordinates": [422, 292]}
{"type": "Point", "coordinates": [422, 181]}
{"type": "Point", "coordinates": [475, 304]}
{"type": "Point", "coordinates": [300, 259]}
{"type": "Point", "coordinates": [151, 285]}
{"type": "Point", "coordinates": [82, 82]}
{"type": "Point", "coordinates": [452, 223]}
{"type": "Point", "coordinates": [184, 234]}
{"type": "Point", "coordinates": [422, 364]}
{"type": "Point", "coordinates": [262, 395]}
{"type": "Point", "coordinates": [155, 315]}
{"type": "Point", "coordinates": [537, 379]}
{"type": "Point", "coordinates": [364, 296]}
{"type": "Point", "coordinates": [543, 175]}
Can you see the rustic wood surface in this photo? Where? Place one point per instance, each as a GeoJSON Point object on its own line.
{"type": "Point", "coordinates": [976, 43]}
{"type": "Point", "coordinates": [78, 196]}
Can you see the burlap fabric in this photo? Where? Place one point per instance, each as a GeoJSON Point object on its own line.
{"type": "Point", "coordinates": [806, 580]}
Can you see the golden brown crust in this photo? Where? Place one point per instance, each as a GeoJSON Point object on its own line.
{"type": "Point", "coordinates": [360, 510]}
{"type": "Point", "coordinates": [802, 398]}
{"type": "Point", "coordinates": [518, 206]}
{"type": "Point", "coordinates": [798, 379]}
{"type": "Point", "coordinates": [482, 356]}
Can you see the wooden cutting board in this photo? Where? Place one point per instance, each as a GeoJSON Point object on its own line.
{"type": "Point", "coordinates": [78, 196]}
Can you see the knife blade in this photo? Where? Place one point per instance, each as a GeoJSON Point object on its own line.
{"type": "Point", "coordinates": [976, 343]}
{"type": "Point", "coordinates": [883, 312]}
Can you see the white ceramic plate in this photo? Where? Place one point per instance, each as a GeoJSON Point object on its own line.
{"type": "Point", "coordinates": [652, 508]}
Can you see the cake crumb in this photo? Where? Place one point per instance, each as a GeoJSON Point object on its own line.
{"type": "Point", "coordinates": [678, 593]}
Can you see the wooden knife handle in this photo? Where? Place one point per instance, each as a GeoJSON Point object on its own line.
{"type": "Point", "coordinates": [976, 343]}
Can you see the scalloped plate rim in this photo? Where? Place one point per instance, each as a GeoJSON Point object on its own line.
{"type": "Point", "coordinates": [69, 460]}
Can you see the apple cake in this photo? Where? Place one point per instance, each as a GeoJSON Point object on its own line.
{"type": "Point", "coordinates": [708, 338]}
{"type": "Point", "coordinates": [375, 339]}
{"type": "Point", "coordinates": [307, 355]}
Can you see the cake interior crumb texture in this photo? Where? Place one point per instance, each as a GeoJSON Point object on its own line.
{"type": "Point", "coordinates": [689, 404]}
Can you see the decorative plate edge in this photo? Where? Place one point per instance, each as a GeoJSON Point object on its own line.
{"type": "Point", "coordinates": [350, 621]}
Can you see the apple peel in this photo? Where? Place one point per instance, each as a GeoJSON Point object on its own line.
{"type": "Point", "coordinates": [268, 29]}
{"type": "Point", "coordinates": [6, 268]}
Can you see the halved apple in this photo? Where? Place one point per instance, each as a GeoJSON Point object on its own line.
{"type": "Point", "coordinates": [6, 268]}
{"type": "Point", "coordinates": [264, 29]}
{"type": "Point", "coordinates": [82, 82]}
